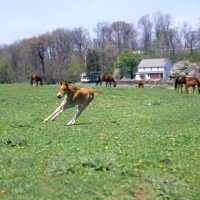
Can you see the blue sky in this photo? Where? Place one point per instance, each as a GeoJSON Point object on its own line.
{"type": "Point", "coordinates": [21, 19]}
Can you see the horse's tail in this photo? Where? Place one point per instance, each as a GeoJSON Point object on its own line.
{"type": "Point", "coordinates": [97, 91]}
{"type": "Point", "coordinates": [98, 81]}
{"type": "Point", "coordinates": [176, 82]}
{"type": "Point", "coordinates": [31, 80]}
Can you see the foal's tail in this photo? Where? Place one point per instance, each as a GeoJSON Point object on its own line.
{"type": "Point", "coordinates": [176, 82]}
{"type": "Point", "coordinates": [97, 91]}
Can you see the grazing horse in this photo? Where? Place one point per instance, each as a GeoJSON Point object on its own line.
{"type": "Point", "coordinates": [35, 79]}
{"type": "Point", "coordinates": [107, 78]}
{"type": "Point", "coordinates": [192, 81]}
{"type": "Point", "coordinates": [73, 96]}
{"type": "Point", "coordinates": [179, 81]}
{"type": "Point", "coordinates": [140, 84]}
{"type": "Point", "coordinates": [188, 81]}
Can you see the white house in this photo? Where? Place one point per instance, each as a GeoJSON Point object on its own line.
{"type": "Point", "coordinates": [86, 79]}
{"type": "Point", "coordinates": [153, 69]}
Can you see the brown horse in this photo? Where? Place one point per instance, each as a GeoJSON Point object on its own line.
{"type": "Point", "coordinates": [188, 81]}
{"type": "Point", "coordinates": [35, 79]}
{"type": "Point", "coordinates": [73, 96]}
{"type": "Point", "coordinates": [192, 81]}
{"type": "Point", "coordinates": [140, 84]}
{"type": "Point", "coordinates": [107, 78]}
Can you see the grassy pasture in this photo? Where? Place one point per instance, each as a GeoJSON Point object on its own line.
{"type": "Point", "coordinates": [129, 143]}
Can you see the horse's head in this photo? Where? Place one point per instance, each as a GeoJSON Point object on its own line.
{"type": "Point", "coordinates": [63, 89]}
{"type": "Point", "coordinates": [41, 82]}
{"type": "Point", "coordinates": [114, 84]}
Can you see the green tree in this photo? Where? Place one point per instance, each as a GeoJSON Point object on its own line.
{"type": "Point", "coordinates": [128, 62]}
{"type": "Point", "coordinates": [74, 70]}
{"type": "Point", "coordinates": [6, 73]}
{"type": "Point", "coordinates": [92, 63]}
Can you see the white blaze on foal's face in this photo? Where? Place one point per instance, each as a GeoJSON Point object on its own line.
{"type": "Point", "coordinates": [61, 91]}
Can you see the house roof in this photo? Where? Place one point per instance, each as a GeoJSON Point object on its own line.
{"type": "Point", "coordinates": [153, 62]}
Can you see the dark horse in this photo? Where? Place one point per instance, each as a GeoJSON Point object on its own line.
{"type": "Point", "coordinates": [179, 81]}
{"type": "Point", "coordinates": [188, 81]}
{"type": "Point", "coordinates": [140, 84]}
{"type": "Point", "coordinates": [106, 78]}
{"type": "Point", "coordinates": [35, 79]}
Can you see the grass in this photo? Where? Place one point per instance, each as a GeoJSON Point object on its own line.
{"type": "Point", "coordinates": [129, 143]}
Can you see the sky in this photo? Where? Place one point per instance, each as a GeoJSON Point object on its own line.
{"type": "Point", "coordinates": [20, 19]}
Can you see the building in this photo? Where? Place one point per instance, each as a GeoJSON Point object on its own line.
{"type": "Point", "coordinates": [90, 79]}
{"type": "Point", "coordinates": [154, 69]}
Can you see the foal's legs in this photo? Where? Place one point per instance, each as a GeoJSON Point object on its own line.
{"type": "Point", "coordinates": [186, 89]}
{"type": "Point", "coordinates": [79, 111]}
{"type": "Point", "coordinates": [193, 89]}
{"type": "Point", "coordinates": [58, 110]}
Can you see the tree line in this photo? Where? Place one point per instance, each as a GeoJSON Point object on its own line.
{"type": "Point", "coordinates": [64, 54]}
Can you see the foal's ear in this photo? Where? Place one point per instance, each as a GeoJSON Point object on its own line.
{"type": "Point", "coordinates": [66, 83]}
{"type": "Point", "coordinates": [61, 82]}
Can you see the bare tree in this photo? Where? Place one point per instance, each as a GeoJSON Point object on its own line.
{"type": "Point", "coordinates": [145, 25]}
{"type": "Point", "coordinates": [14, 59]}
{"type": "Point", "coordinates": [65, 47]}
{"type": "Point", "coordinates": [102, 42]}
{"type": "Point", "coordinates": [164, 33]}
{"type": "Point", "coordinates": [82, 42]}
{"type": "Point", "coordinates": [198, 34]}
{"type": "Point", "coordinates": [173, 39]}
{"type": "Point", "coordinates": [122, 36]}
{"type": "Point", "coordinates": [190, 36]}
{"type": "Point", "coordinates": [167, 22]}
{"type": "Point", "coordinates": [157, 25]}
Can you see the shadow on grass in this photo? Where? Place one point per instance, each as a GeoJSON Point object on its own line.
{"type": "Point", "coordinates": [79, 124]}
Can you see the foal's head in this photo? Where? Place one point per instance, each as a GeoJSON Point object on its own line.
{"type": "Point", "coordinates": [63, 89]}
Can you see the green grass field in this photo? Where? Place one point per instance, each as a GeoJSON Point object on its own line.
{"type": "Point", "coordinates": [129, 143]}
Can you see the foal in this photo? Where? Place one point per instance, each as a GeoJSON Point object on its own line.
{"type": "Point", "coordinates": [73, 96]}
{"type": "Point", "coordinates": [192, 83]}
{"type": "Point", "coordinates": [140, 84]}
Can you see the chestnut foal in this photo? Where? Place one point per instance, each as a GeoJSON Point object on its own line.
{"type": "Point", "coordinates": [73, 96]}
